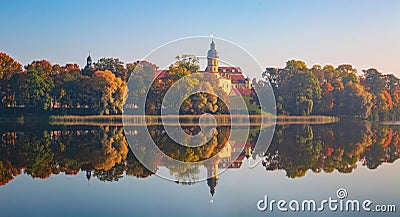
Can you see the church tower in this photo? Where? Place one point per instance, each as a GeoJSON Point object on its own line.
{"type": "Point", "coordinates": [212, 58]}
{"type": "Point", "coordinates": [89, 69]}
{"type": "Point", "coordinates": [89, 62]}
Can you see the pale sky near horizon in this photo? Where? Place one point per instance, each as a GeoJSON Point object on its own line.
{"type": "Point", "coordinates": [364, 33]}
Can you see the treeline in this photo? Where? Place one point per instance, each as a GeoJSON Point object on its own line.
{"type": "Point", "coordinates": [102, 89]}
{"type": "Point", "coordinates": [41, 86]}
{"type": "Point", "coordinates": [339, 91]}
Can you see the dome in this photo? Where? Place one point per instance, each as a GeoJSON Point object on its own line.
{"type": "Point", "coordinates": [212, 53]}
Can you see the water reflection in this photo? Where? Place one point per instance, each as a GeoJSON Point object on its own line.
{"type": "Point", "coordinates": [297, 149]}
{"type": "Point", "coordinates": [103, 152]}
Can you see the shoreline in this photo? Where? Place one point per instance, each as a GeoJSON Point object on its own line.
{"type": "Point", "coordinates": [188, 120]}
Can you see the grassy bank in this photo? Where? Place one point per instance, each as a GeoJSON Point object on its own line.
{"type": "Point", "coordinates": [138, 120]}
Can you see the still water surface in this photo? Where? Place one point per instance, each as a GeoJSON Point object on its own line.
{"type": "Point", "coordinates": [91, 171]}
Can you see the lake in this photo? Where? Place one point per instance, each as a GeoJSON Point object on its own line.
{"type": "Point", "coordinates": [56, 170]}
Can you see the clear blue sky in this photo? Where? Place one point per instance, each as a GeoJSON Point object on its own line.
{"type": "Point", "coordinates": [365, 33]}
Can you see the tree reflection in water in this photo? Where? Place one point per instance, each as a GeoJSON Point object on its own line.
{"type": "Point", "coordinates": [299, 148]}
{"type": "Point", "coordinates": [103, 152]}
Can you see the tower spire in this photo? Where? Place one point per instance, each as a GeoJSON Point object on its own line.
{"type": "Point", "coordinates": [212, 57]}
{"type": "Point", "coordinates": [88, 70]}
{"type": "Point", "coordinates": [89, 60]}
{"type": "Point", "coordinates": [212, 180]}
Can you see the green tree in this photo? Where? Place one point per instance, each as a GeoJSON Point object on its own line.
{"type": "Point", "coordinates": [347, 73]}
{"type": "Point", "coordinates": [142, 75]}
{"type": "Point", "coordinates": [392, 83]}
{"type": "Point", "coordinates": [114, 65]}
{"type": "Point", "coordinates": [329, 74]}
{"type": "Point", "coordinates": [32, 91]}
{"type": "Point", "coordinates": [298, 87]}
{"type": "Point", "coordinates": [373, 81]}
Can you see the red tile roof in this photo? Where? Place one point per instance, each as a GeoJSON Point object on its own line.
{"type": "Point", "coordinates": [237, 78]}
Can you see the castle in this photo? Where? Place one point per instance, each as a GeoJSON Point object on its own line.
{"type": "Point", "coordinates": [231, 79]}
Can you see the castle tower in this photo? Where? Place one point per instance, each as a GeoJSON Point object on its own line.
{"type": "Point", "coordinates": [212, 58]}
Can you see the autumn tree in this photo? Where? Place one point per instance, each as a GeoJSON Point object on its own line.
{"type": "Point", "coordinates": [327, 99]}
{"type": "Point", "coordinates": [8, 67]}
{"type": "Point", "coordinates": [42, 67]}
{"type": "Point", "coordinates": [390, 96]}
{"type": "Point", "coordinates": [374, 83]}
{"type": "Point", "coordinates": [356, 101]}
{"type": "Point", "coordinates": [109, 92]}
{"type": "Point", "coordinates": [64, 81]}
{"type": "Point", "coordinates": [396, 108]}
{"type": "Point", "coordinates": [183, 76]}
{"type": "Point", "coordinates": [114, 65]}
{"type": "Point", "coordinates": [179, 70]}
